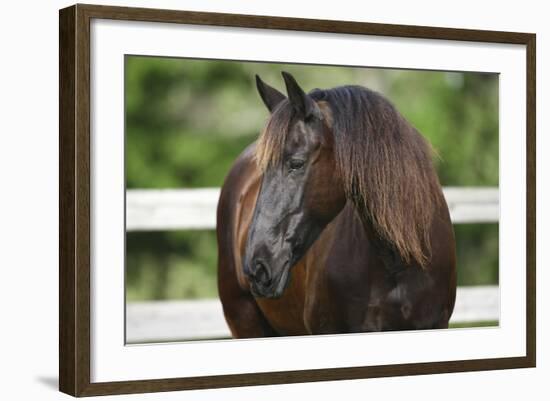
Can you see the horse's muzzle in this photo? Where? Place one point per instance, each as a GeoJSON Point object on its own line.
{"type": "Point", "coordinates": [260, 274]}
{"type": "Point", "coordinates": [263, 283]}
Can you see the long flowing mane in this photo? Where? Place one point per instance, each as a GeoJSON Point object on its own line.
{"type": "Point", "coordinates": [384, 163]}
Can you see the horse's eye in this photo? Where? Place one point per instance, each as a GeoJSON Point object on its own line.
{"type": "Point", "coordinates": [295, 164]}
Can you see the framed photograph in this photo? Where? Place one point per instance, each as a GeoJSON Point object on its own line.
{"type": "Point", "coordinates": [250, 200]}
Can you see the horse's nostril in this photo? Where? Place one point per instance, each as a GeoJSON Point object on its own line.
{"type": "Point", "coordinates": [261, 274]}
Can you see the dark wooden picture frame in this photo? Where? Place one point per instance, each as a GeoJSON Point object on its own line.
{"type": "Point", "coordinates": [74, 203]}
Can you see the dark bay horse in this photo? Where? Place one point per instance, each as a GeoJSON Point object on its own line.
{"type": "Point", "coordinates": [334, 221]}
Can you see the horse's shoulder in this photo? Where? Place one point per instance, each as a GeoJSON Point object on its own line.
{"type": "Point", "coordinates": [236, 205]}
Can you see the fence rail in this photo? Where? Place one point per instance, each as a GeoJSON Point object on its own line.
{"type": "Point", "coordinates": [159, 321]}
{"type": "Point", "coordinates": [192, 209]}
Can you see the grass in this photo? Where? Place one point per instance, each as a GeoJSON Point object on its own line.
{"type": "Point", "coordinates": [486, 323]}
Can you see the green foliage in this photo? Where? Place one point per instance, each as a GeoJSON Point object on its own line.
{"type": "Point", "coordinates": [188, 120]}
{"type": "Point", "coordinates": [175, 265]}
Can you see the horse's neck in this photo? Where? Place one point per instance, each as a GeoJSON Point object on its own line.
{"type": "Point", "coordinates": [392, 261]}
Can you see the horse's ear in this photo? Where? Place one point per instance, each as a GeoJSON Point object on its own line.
{"type": "Point", "coordinates": [270, 96]}
{"type": "Point", "coordinates": [302, 103]}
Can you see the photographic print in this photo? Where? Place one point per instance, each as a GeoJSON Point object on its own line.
{"type": "Point", "coordinates": [268, 199]}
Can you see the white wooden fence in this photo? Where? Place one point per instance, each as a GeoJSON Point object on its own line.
{"type": "Point", "coordinates": [191, 209]}
{"type": "Point", "coordinates": [158, 321]}
{"type": "Point", "coordinates": [188, 209]}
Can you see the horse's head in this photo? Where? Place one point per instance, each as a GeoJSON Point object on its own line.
{"type": "Point", "coordinates": [300, 191]}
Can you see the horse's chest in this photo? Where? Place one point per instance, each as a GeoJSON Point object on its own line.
{"type": "Point", "coordinates": [286, 314]}
{"type": "Point", "coordinates": [305, 308]}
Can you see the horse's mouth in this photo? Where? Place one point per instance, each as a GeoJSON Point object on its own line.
{"type": "Point", "coordinates": [276, 289]}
